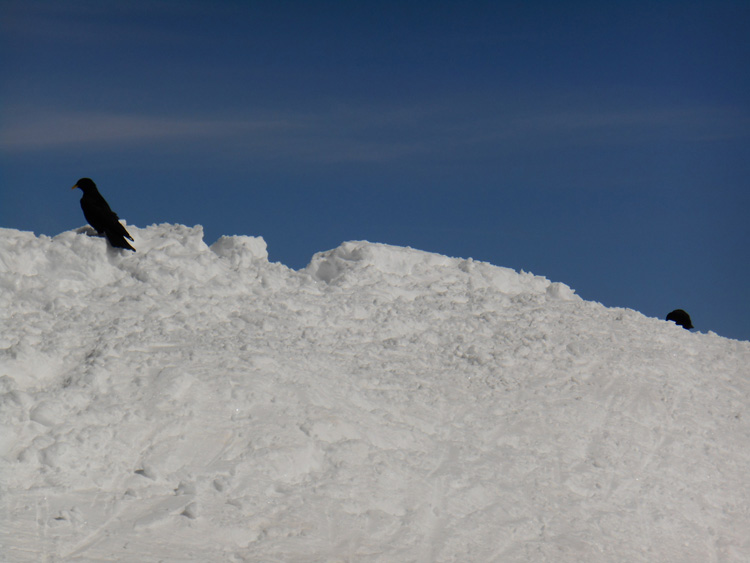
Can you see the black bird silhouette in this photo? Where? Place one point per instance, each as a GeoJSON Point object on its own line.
{"type": "Point", "coordinates": [100, 216]}
{"type": "Point", "coordinates": [681, 318]}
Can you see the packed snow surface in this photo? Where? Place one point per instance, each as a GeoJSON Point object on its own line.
{"type": "Point", "coordinates": [196, 403]}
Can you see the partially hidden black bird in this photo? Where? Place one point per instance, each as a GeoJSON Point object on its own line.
{"type": "Point", "coordinates": [681, 318]}
{"type": "Point", "coordinates": [100, 216]}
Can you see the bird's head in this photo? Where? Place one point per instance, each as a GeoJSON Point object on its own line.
{"type": "Point", "coordinates": [84, 184]}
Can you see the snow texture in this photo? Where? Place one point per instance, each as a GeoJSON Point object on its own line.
{"type": "Point", "coordinates": [196, 403]}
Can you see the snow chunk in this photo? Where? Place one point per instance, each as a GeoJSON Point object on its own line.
{"type": "Point", "coordinates": [327, 266]}
{"type": "Point", "coordinates": [561, 291]}
{"type": "Point", "coordinates": [241, 250]}
{"type": "Point", "coordinates": [47, 413]}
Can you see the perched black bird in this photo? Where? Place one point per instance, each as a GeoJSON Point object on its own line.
{"type": "Point", "coordinates": [100, 216]}
{"type": "Point", "coordinates": [681, 318]}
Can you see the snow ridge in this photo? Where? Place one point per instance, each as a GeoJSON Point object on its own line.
{"type": "Point", "coordinates": [198, 403]}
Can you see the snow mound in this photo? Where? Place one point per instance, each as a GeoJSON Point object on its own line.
{"type": "Point", "coordinates": [198, 403]}
{"type": "Point", "coordinates": [75, 260]}
{"type": "Point", "coordinates": [380, 262]}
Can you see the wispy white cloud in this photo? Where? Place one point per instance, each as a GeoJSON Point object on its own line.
{"type": "Point", "coordinates": [330, 135]}
{"type": "Point", "coordinates": [532, 129]}
{"type": "Point", "coordinates": [694, 123]}
{"type": "Point", "coordinates": [365, 133]}
{"type": "Point", "coordinates": [27, 130]}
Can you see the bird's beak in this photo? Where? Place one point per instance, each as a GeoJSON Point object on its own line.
{"type": "Point", "coordinates": [74, 187]}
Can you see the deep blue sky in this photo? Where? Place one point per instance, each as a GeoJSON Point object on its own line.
{"type": "Point", "coordinates": [602, 144]}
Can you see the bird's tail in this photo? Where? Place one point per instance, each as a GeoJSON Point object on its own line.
{"type": "Point", "coordinates": [117, 240]}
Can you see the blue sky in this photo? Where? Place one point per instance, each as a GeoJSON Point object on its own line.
{"type": "Point", "coordinates": [605, 145]}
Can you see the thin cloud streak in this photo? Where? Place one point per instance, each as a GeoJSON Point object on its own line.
{"type": "Point", "coordinates": [367, 134]}
{"type": "Point", "coordinates": [59, 130]}
{"type": "Point", "coordinates": [697, 123]}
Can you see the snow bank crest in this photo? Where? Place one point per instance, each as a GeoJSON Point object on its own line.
{"type": "Point", "coordinates": [166, 253]}
{"type": "Point", "coordinates": [362, 259]}
{"type": "Point", "coordinates": [75, 257]}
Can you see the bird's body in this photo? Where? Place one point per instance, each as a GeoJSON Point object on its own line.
{"type": "Point", "coordinates": [101, 217]}
{"type": "Point", "coordinates": [680, 317]}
